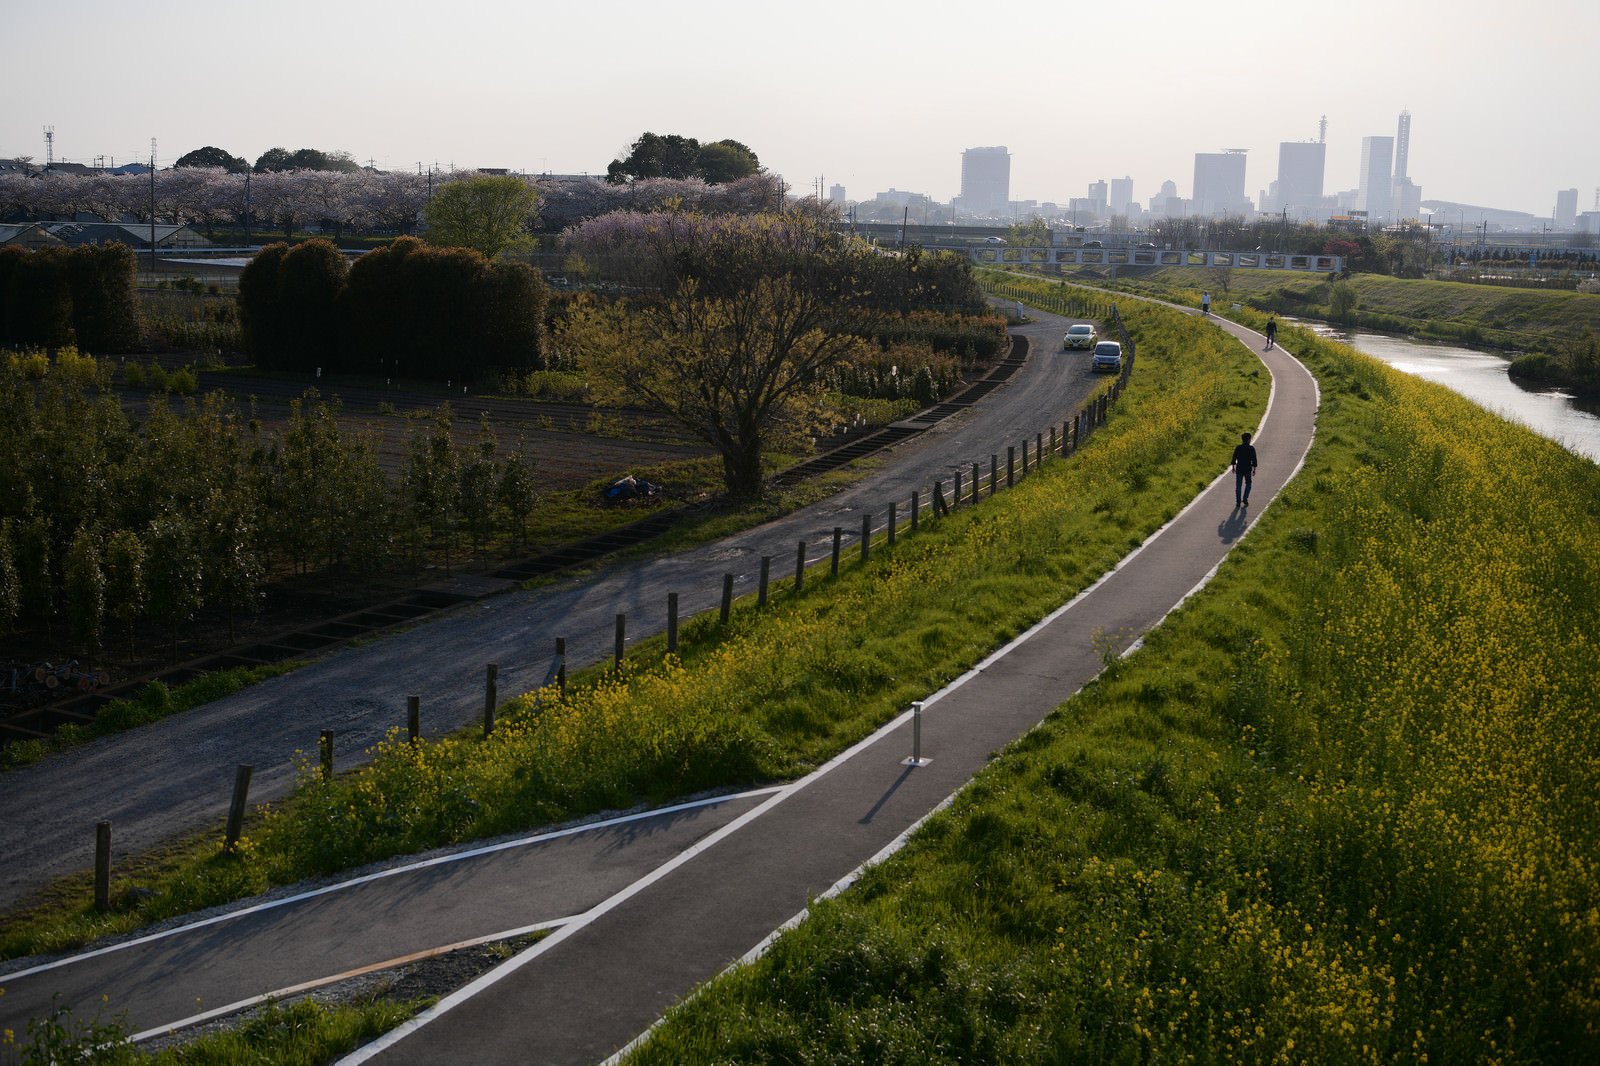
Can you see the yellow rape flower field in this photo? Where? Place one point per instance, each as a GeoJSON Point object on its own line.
{"type": "Point", "coordinates": [1343, 807]}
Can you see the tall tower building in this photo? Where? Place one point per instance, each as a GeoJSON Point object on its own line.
{"type": "Point", "coordinates": [1374, 190]}
{"type": "Point", "coordinates": [985, 180]}
{"type": "Point", "coordinates": [1219, 182]}
{"type": "Point", "coordinates": [1402, 148]}
{"type": "Point", "coordinates": [1406, 196]}
{"type": "Point", "coordinates": [1301, 166]}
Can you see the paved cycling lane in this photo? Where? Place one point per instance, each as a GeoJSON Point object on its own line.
{"type": "Point", "coordinates": [608, 975]}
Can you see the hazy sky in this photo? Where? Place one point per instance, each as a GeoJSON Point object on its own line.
{"type": "Point", "coordinates": [867, 94]}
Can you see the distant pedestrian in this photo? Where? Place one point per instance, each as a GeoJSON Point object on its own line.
{"type": "Point", "coordinates": [1205, 303]}
{"type": "Point", "coordinates": [1244, 466]}
{"type": "Point", "coordinates": [1272, 332]}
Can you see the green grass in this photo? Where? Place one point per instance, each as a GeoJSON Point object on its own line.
{"type": "Point", "coordinates": [1342, 806]}
{"type": "Point", "coordinates": [851, 653]}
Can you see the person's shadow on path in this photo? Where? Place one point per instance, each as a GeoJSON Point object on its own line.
{"type": "Point", "coordinates": [1232, 527]}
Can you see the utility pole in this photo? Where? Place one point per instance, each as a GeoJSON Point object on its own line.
{"type": "Point", "coordinates": [152, 209]}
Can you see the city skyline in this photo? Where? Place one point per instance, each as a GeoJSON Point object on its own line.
{"type": "Point", "coordinates": [853, 95]}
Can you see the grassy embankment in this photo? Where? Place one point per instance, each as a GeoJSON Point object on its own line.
{"type": "Point", "coordinates": [775, 693]}
{"type": "Point", "coordinates": [1441, 310]}
{"type": "Point", "coordinates": [1344, 806]}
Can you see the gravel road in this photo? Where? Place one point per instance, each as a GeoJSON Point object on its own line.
{"type": "Point", "coordinates": [175, 775]}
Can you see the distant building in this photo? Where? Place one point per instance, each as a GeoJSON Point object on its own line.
{"type": "Point", "coordinates": [1376, 186]}
{"type": "Point", "coordinates": [985, 180]}
{"type": "Point", "coordinates": [1407, 200]}
{"type": "Point", "coordinates": [1166, 204]}
{"type": "Point", "coordinates": [1098, 192]}
{"type": "Point", "coordinates": [134, 235]}
{"type": "Point", "coordinates": [1219, 183]}
{"type": "Point", "coordinates": [1301, 165]}
{"type": "Point", "coordinates": [1566, 213]}
{"type": "Point", "coordinates": [1122, 202]}
{"type": "Point", "coordinates": [836, 194]}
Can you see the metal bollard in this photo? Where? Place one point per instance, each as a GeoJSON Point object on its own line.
{"type": "Point", "coordinates": [916, 738]}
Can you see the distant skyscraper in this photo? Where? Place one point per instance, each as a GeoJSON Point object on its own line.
{"type": "Point", "coordinates": [1300, 170]}
{"type": "Point", "coordinates": [836, 194]}
{"type": "Point", "coordinates": [1566, 216]}
{"type": "Point", "coordinates": [1374, 190]}
{"type": "Point", "coordinates": [1219, 182]}
{"type": "Point", "coordinates": [1406, 195]}
{"type": "Point", "coordinates": [1402, 148]}
{"type": "Point", "coordinates": [985, 180]}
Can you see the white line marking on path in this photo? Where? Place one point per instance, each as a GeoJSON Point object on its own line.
{"type": "Point", "coordinates": [307, 986]}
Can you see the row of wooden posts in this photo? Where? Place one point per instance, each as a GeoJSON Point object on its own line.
{"type": "Point", "coordinates": [1073, 432]}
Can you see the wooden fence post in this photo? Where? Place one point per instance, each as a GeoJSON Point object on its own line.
{"type": "Point", "coordinates": [1052, 438]}
{"type": "Point", "coordinates": [622, 634]}
{"type": "Point", "coordinates": [892, 506]}
{"type": "Point", "coordinates": [1011, 465]}
{"type": "Point", "coordinates": [761, 586]}
{"type": "Point", "coordinates": [866, 537]}
{"type": "Point", "coordinates": [799, 566]}
{"type": "Point", "coordinates": [325, 749]}
{"type": "Point", "coordinates": [241, 793]}
{"type": "Point", "coordinates": [838, 534]}
{"type": "Point", "coordinates": [955, 492]}
{"type": "Point", "coordinates": [916, 508]}
{"type": "Point", "coordinates": [672, 623]}
{"type": "Point", "coordinates": [994, 474]}
{"type": "Point", "coordinates": [102, 866]}
{"type": "Point", "coordinates": [974, 484]}
{"type": "Point", "coordinates": [561, 666]}
{"type": "Point", "coordinates": [727, 596]}
{"type": "Point", "coordinates": [491, 696]}
{"type": "Point", "coordinates": [413, 717]}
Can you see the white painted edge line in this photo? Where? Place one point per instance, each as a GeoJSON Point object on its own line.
{"type": "Point", "coordinates": [307, 986]}
{"type": "Point", "coordinates": [439, 860]}
{"type": "Point", "coordinates": [771, 938]}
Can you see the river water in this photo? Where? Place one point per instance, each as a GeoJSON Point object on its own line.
{"type": "Point", "coordinates": [1482, 377]}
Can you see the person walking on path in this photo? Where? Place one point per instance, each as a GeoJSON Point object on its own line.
{"type": "Point", "coordinates": [1205, 303]}
{"type": "Point", "coordinates": [1244, 467]}
{"type": "Point", "coordinates": [1272, 333]}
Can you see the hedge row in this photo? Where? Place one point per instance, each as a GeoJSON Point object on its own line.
{"type": "Point", "coordinates": [406, 309]}
{"type": "Point", "coordinates": [54, 297]}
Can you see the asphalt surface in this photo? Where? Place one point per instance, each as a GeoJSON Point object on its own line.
{"type": "Point", "coordinates": [176, 775]}
{"type": "Point", "coordinates": [644, 910]}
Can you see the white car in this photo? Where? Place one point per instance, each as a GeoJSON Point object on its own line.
{"type": "Point", "coordinates": [1079, 335]}
{"type": "Point", "coordinates": [1107, 356]}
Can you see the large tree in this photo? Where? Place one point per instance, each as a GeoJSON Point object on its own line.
{"type": "Point", "coordinates": [674, 156]}
{"type": "Point", "coordinates": [211, 156]}
{"type": "Point", "coordinates": [488, 213]}
{"type": "Point", "coordinates": [736, 336]}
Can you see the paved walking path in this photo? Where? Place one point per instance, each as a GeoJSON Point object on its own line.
{"type": "Point", "coordinates": [646, 908]}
